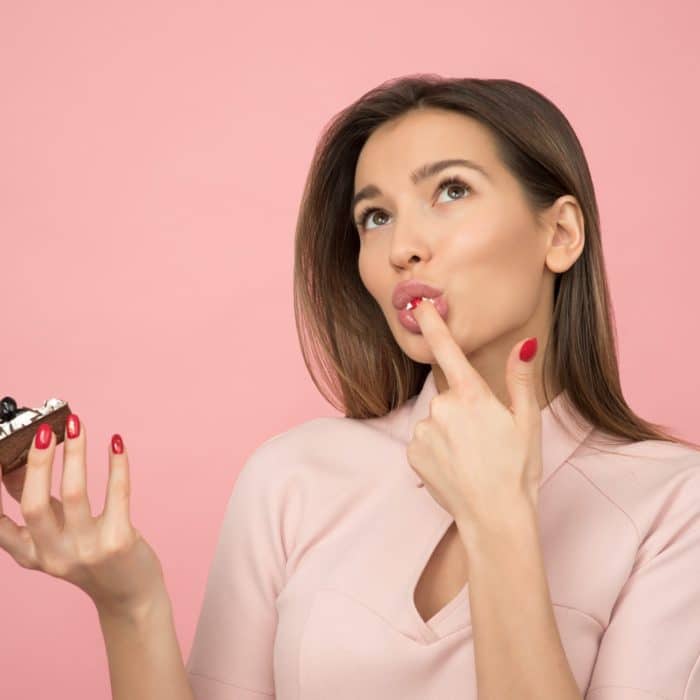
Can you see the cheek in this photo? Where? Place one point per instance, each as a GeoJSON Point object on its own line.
{"type": "Point", "coordinates": [370, 275]}
{"type": "Point", "coordinates": [496, 277]}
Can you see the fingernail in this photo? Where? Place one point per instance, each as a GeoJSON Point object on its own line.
{"type": "Point", "coordinates": [529, 349]}
{"type": "Point", "coordinates": [73, 426]}
{"type": "Point", "coordinates": [117, 444]}
{"type": "Point", "coordinates": [43, 436]}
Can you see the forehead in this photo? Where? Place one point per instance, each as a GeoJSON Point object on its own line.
{"type": "Point", "coordinates": [397, 147]}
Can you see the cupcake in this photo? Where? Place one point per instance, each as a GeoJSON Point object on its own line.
{"type": "Point", "coordinates": [19, 425]}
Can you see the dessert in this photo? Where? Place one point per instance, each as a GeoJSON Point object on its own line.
{"type": "Point", "coordinates": [19, 425]}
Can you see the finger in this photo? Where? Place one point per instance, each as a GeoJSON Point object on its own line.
{"type": "Point", "coordinates": [36, 495]}
{"type": "Point", "coordinates": [14, 485]}
{"type": "Point", "coordinates": [76, 505]}
{"type": "Point", "coordinates": [116, 511]}
{"type": "Point", "coordinates": [14, 539]}
{"type": "Point", "coordinates": [451, 358]}
{"type": "Point", "coordinates": [520, 380]}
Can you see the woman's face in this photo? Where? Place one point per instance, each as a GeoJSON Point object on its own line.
{"type": "Point", "coordinates": [478, 242]}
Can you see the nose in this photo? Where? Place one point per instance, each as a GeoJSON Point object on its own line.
{"type": "Point", "coordinates": [408, 244]}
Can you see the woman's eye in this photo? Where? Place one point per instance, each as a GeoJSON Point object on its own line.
{"type": "Point", "coordinates": [446, 185]}
{"type": "Point", "coordinates": [368, 216]}
{"type": "Point", "coordinates": [452, 184]}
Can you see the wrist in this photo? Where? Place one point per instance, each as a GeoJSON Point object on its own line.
{"type": "Point", "coordinates": [156, 603]}
{"type": "Point", "coordinates": [479, 534]}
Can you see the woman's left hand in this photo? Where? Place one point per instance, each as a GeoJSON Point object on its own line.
{"type": "Point", "coordinates": [479, 460]}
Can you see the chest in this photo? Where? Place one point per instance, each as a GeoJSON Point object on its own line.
{"type": "Point", "coordinates": [444, 575]}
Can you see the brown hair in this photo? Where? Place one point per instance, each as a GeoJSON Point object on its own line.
{"type": "Point", "coordinates": [340, 324]}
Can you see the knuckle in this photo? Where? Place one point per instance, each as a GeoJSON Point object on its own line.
{"type": "Point", "coordinates": [118, 543]}
{"type": "Point", "coordinates": [89, 553]}
{"type": "Point", "coordinates": [27, 557]}
{"type": "Point", "coordinates": [73, 495]}
{"type": "Point", "coordinates": [115, 550]}
{"type": "Point", "coordinates": [34, 512]}
{"type": "Point", "coordinates": [27, 540]}
{"type": "Point", "coordinates": [438, 407]}
{"type": "Point", "coordinates": [52, 565]}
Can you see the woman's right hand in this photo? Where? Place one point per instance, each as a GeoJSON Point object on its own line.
{"type": "Point", "coordinates": [105, 556]}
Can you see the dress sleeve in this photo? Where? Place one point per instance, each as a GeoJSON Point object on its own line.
{"type": "Point", "coordinates": [650, 649]}
{"type": "Point", "coordinates": [232, 649]}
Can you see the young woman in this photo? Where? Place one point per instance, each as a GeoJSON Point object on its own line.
{"type": "Point", "coordinates": [488, 518]}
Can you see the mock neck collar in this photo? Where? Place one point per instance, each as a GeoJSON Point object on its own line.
{"type": "Point", "coordinates": [559, 442]}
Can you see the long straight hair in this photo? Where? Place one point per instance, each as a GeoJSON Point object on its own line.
{"type": "Point", "coordinates": [343, 329]}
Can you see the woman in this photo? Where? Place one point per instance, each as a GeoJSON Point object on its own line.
{"type": "Point", "coordinates": [489, 518]}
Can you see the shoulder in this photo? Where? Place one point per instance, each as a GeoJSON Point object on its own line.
{"type": "Point", "coordinates": [647, 463]}
{"type": "Point", "coordinates": [282, 455]}
{"type": "Point", "coordinates": [321, 452]}
{"type": "Point", "coordinates": [651, 481]}
{"type": "Point", "coordinates": [298, 481]}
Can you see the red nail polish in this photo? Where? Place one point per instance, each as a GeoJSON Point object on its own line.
{"type": "Point", "coordinates": [43, 436]}
{"type": "Point", "coordinates": [73, 426]}
{"type": "Point", "coordinates": [117, 444]}
{"type": "Point", "coordinates": [528, 350]}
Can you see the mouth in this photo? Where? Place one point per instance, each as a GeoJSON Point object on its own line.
{"type": "Point", "coordinates": [408, 320]}
{"type": "Point", "coordinates": [412, 303]}
{"type": "Point", "coordinates": [407, 290]}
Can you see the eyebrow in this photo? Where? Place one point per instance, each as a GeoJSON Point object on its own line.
{"type": "Point", "coordinates": [422, 173]}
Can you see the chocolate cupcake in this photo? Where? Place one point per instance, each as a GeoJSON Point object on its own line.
{"type": "Point", "coordinates": [19, 425]}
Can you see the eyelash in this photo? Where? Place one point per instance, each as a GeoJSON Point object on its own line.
{"type": "Point", "coordinates": [453, 180]}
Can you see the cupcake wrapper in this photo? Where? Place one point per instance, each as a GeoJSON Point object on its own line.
{"type": "Point", "coordinates": [14, 448]}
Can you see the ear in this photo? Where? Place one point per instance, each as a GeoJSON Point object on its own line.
{"type": "Point", "coordinates": [565, 227]}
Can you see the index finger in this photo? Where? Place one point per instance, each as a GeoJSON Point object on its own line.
{"type": "Point", "coordinates": [451, 358]}
{"type": "Point", "coordinates": [36, 496]}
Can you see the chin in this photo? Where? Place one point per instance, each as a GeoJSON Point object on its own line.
{"type": "Point", "coordinates": [415, 347]}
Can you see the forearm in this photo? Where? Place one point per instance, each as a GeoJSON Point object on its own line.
{"type": "Point", "coordinates": [517, 648]}
{"type": "Point", "coordinates": [145, 661]}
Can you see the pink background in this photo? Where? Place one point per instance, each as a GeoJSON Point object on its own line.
{"type": "Point", "coordinates": [153, 156]}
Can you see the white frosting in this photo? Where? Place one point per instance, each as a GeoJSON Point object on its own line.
{"type": "Point", "coordinates": [29, 415]}
{"type": "Point", "coordinates": [409, 305]}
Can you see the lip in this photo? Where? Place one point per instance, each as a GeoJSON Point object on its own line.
{"type": "Point", "coordinates": [408, 320]}
{"type": "Point", "coordinates": [408, 289]}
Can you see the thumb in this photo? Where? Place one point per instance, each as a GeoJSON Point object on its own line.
{"type": "Point", "coordinates": [520, 373]}
{"type": "Point", "coordinates": [14, 481]}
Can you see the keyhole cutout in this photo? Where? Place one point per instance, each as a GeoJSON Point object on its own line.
{"type": "Point", "coordinates": [443, 577]}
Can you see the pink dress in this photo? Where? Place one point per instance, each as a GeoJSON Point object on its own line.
{"type": "Point", "coordinates": [310, 593]}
